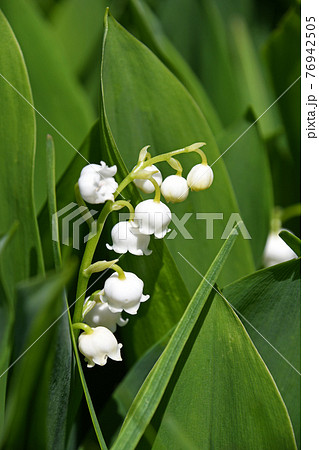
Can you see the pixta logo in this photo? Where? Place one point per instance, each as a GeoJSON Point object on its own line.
{"type": "Point", "coordinates": [76, 217]}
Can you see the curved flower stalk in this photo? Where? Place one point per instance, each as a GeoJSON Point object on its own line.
{"type": "Point", "coordinates": [123, 291]}
{"type": "Point", "coordinates": [145, 184]}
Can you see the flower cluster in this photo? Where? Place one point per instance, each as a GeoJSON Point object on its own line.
{"type": "Point", "coordinates": [101, 312]}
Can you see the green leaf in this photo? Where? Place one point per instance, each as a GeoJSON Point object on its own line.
{"type": "Point", "coordinates": [282, 50]}
{"type": "Point", "coordinates": [6, 322]}
{"type": "Point", "coordinates": [152, 34]}
{"type": "Point", "coordinates": [145, 104]}
{"type": "Point", "coordinates": [79, 28]}
{"type": "Point", "coordinates": [253, 80]}
{"type": "Point", "coordinates": [31, 363]}
{"type": "Point", "coordinates": [249, 171]}
{"type": "Point", "coordinates": [57, 94]}
{"type": "Point", "coordinates": [17, 129]}
{"type": "Point", "coordinates": [152, 391]}
{"type": "Point", "coordinates": [221, 395]}
{"type": "Point", "coordinates": [293, 241]}
{"type": "Point", "coordinates": [62, 387]}
{"type": "Point", "coordinates": [268, 303]}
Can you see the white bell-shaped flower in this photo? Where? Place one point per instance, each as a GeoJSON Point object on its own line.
{"type": "Point", "coordinates": [200, 177]}
{"type": "Point", "coordinates": [126, 237]}
{"type": "Point", "coordinates": [124, 294]}
{"type": "Point", "coordinates": [174, 189]}
{"type": "Point", "coordinates": [101, 316]}
{"type": "Point", "coordinates": [98, 346]}
{"type": "Point", "coordinates": [277, 251]}
{"type": "Point", "coordinates": [146, 185]}
{"type": "Point", "coordinates": [96, 183]}
{"type": "Point", "coordinates": [153, 217]}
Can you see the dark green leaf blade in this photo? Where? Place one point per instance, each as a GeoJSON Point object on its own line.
{"type": "Point", "coordinates": [152, 107]}
{"type": "Point", "coordinates": [17, 129]}
{"type": "Point", "coordinates": [293, 241]}
{"type": "Point", "coordinates": [250, 175]}
{"type": "Point", "coordinates": [150, 394]}
{"type": "Point", "coordinates": [269, 301]}
{"type": "Point", "coordinates": [222, 395]}
{"type": "Point", "coordinates": [57, 94]}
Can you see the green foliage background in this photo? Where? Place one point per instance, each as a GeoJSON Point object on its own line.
{"type": "Point", "coordinates": [208, 363]}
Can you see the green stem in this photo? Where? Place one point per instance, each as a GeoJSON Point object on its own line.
{"type": "Point", "coordinates": [195, 148]}
{"type": "Point", "coordinates": [123, 203]}
{"type": "Point", "coordinates": [90, 250]}
{"type": "Point", "coordinates": [82, 326]}
{"type": "Point", "coordinates": [157, 197]}
{"type": "Point", "coordinates": [290, 212]}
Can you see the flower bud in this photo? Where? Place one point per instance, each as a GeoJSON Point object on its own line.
{"type": "Point", "coordinates": [146, 185]}
{"type": "Point", "coordinates": [101, 316]}
{"type": "Point", "coordinates": [200, 177]}
{"type": "Point", "coordinates": [96, 183]}
{"type": "Point", "coordinates": [126, 237]}
{"type": "Point", "coordinates": [277, 251]}
{"type": "Point", "coordinates": [174, 189]}
{"type": "Point", "coordinates": [98, 346]}
{"type": "Point", "coordinates": [124, 294]}
{"type": "Point", "coordinates": [153, 217]}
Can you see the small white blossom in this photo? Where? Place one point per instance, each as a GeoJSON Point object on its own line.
{"type": "Point", "coordinates": [126, 294]}
{"type": "Point", "coordinates": [200, 177]}
{"type": "Point", "coordinates": [174, 189]}
{"type": "Point", "coordinates": [126, 237]}
{"type": "Point", "coordinates": [98, 346]}
{"type": "Point", "coordinates": [146, 185]}
{"type": "Point", "coordinates": [96, 183]}
{"type": "Point", "coordinates": [100, 315]}
{"type": "Point", "coordinates": [277, 251]}
{"type": "Point", "coordinates": [153, 217]}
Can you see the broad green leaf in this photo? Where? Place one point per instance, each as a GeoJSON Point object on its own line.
{"type": "Point", "coordinates": [31, 363]}
{"type": "Point", "coordinates": [79, 27]}
{"type": "Point", "coordinates": [152, 390]}
{"type": "Point", "coordinates": [145, 104]}
{"type": "Point", "coordinates": [249, 171]}
{"type": "Point", "coordinates": [202, 36]}
{"type": "Point", "coordinates": [269, 306]}
{"type": "Point", "coordinates": [282, 50]}
{"type": "Point", "coordinates": [151, 33]}
{"type": "Point", "coordinates": [57, 94]}
{"type": "Point", "coordinates": [293, 241]}
{"type": "Point", "coordinates": [253, 80]}
{"type": "Point", "coordinates": [221, 395]}
{"type": "Point", "coordinates": [17, 129]}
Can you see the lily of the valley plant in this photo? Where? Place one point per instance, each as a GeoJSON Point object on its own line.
{"type": "Point", "coordinates": [100, 314]}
